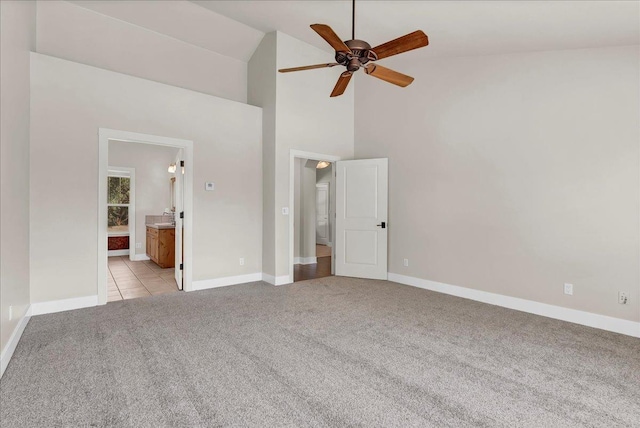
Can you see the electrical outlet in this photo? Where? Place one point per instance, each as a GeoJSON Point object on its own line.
{"type": "Point", "coordinates": [138, 244]}
{"type": "Point", "coordinates": [568, 289]}
{"type": "Point", "coordinates": [241, 261]}
{"type": "Point", "coordinates": [405, 262]}
{"type": "Point", "coordinates": [622, 298]}
{"type": "Point", "coordinates": [10, 312]}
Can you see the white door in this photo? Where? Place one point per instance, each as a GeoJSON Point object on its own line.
{"type": "Point", "coordinates": [179, 214]}
{"type": "Point", "coordinates": [361, 216]}
{"type": "Point", "coordinates": [322, 213]}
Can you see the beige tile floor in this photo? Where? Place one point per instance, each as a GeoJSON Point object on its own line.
{"type": "Point", "coordinates": [130, 280]}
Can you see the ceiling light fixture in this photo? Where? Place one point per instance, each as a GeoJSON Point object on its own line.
{"type": "Point", "coordinates": [323, 164]}
{"type": "Point", "coordinates": [355, 54]}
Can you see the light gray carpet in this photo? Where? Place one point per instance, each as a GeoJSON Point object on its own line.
{"type": "Point", "coordinates": [328, 352]}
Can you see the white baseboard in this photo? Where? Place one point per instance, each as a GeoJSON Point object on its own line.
{"type": "Point", "coordinates": [223, 282]}
{"type": "Point", "coordinates": [603, 322]}
{"type": "Point", "coordinates": [54, 306]}
{"type": "Point", "coordinates": [305, 260]}
{"type": "Point", "coordinates": [140, 257]}
{"type": "Point", "coordinates": [113, 253]}
{"type": "Point", "coordinates": [276, 280]}
{"type": "Point", "coordinates": [10, 347]}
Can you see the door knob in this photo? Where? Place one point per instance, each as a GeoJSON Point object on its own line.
{"type": "Point", "coordinates": [382, 225]}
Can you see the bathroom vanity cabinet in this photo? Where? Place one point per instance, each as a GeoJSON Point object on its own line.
{"type": "Point", "coordinates": [161, 246]}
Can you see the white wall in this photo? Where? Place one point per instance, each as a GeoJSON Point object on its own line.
{"type": "Point", "coordinates": [514, 174]}
{"type": "Point", "coordinates": [69, 103]}
{"type": "Point", "coordinates": [17, 38]}
{"type": "Point", "coordinates": [151, 177]}
{"type": "Point", "coordinates": [75, 33]}
{"type": "Point", "coordinates": [303, 117]}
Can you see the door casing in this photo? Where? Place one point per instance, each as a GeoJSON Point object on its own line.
{"type": "Point", "coordinates": [104, 135]}
{"type": "Point", "coordinates": [293, 154]}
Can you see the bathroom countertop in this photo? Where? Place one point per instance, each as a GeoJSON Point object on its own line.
{"type": "Point", "coordinates": [160, 226]}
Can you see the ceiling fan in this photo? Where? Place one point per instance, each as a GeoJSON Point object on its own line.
{"type": "Point", "coordinates": [355, 53]}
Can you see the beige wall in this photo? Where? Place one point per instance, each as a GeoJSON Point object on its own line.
{"type": "Point", "coordinates": [304, 226]}
{"type": "Point", "coordinates": [75, 33]}
{"type": "Point", "coordinates": [308, 209]}
{"type": "Point", "coordinates": [514, 174]}
{"type": "Point", "coordinates": [261, 92]}
{"type": "Point", "coordinates": [152, 180]}
{"type": "Point", "coordinates": [302, 117]}
{"type": "Point", "coordinates": [17, 38]}
{"type": "Point", "coordinates": [69, 103]}
{"type": "Point", "coordinates": [324, 175]}
{"type": "Point", "coordinates": [308, 120]}
{"type": "Point", "coordinates": [297, 203]}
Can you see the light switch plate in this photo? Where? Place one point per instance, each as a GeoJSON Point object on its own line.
{"type": "Point", "coordinates": [209, 186]}
{"type": "Point", "coordinates": [568, 289]}
{"type": "Point", "coordinates": [285, 210]}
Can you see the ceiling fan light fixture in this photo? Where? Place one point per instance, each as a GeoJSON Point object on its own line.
{"type": "Point", "coordinates": [355, 54]}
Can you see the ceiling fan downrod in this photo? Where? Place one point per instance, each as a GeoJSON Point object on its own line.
{"type": "Point", "coordinates": [353, 19]}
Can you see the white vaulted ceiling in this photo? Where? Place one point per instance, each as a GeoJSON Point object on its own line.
{"type": "Point", "coordinates": [455, 28]}
{"type": "Point", "coordinates": [184, 21]}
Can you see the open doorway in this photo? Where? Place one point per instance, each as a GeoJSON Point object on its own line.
{"type": "Point", "coordinates": [144, 216]}
{"type": "Point", "coordinates": [312, 219]}
{"type": "Point", "coordinates": [141, 226]}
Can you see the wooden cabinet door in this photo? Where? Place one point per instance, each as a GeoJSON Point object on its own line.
{"type": "Point", "coordinates": [148, 243]}
{"type": "Point", "coordinates": [166, 248]}
{"type": "Point", "coordinates": [154, 248]}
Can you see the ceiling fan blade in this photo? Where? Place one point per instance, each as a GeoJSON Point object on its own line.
{"type": "Point", "coordinates": [342, 83]}
{"type": "Point", "coordinates": [388, 75]}
{"type": "Point", "coordinates": [330, 37]}
{"type": "Point", "coordinates": [307, 67]}
{"type": "Point", "coordinates": [411, 41]}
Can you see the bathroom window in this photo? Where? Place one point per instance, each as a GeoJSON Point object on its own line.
{"type": "Point", "coordinates": [118, 205]}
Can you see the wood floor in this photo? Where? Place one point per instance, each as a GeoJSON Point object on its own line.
{"type": "Point", "coordinates": [320, 269]}
{"type": "Point", "coordinates": [316, 270]}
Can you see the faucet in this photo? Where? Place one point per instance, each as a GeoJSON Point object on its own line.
{"type": "Point", "coordinates": [172, 215]}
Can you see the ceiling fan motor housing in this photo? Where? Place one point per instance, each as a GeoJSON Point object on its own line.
{"type": "Point", "coordinates": [360, 54]}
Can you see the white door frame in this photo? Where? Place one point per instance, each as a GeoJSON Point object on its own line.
{"type": "Point", "coordinates": [131, 173]}
{"type": "Point", "coordinates": [104, 135]}
{"type": "Point", "coordinates": [178, 192]}
{"type": "Point", "coordinates": [293, 154]}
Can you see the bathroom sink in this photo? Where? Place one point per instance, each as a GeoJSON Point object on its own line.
{"type": "Point", "coordinates": [163, 224]}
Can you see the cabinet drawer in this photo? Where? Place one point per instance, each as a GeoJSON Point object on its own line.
{"type": "Point", "coordinates": [152, 231]}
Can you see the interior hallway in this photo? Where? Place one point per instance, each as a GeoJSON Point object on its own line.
{"type": "Point", "coordinates": [320, 269]}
